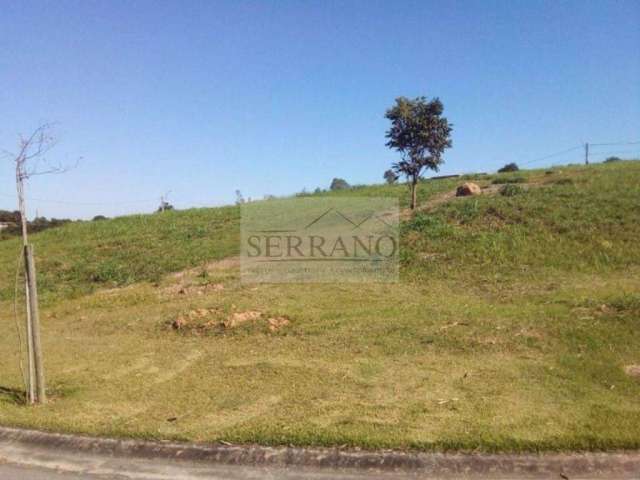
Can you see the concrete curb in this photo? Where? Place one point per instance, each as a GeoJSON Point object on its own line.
{"type": "Point", "coordinates": [551, 465]}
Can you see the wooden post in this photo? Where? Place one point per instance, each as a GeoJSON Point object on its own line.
{"type": "Point", "coordinates": [41, 396]}
{"type": "Point", "coordinates": [31, 372]}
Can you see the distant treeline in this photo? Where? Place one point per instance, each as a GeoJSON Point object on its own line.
{"type": "Point", "coordinates": [10, 224]}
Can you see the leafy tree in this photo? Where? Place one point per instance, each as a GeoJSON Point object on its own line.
{"type": "Point", "coordinates": [612, 159]}
{"type": "Point", "coordinates": [390, 176]}
{"type": "Point", "coordinates": [421, 134]}
{"type": "Point", "coordinates": [339, 184]}
{"type": "Point", "coordinates": [509, 167]}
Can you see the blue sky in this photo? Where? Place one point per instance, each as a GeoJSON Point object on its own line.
{"type": "Point", "coordinates": [203, 98]}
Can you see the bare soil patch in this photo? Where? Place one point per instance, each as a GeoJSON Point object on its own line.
{"type": "Point", "coordinates": [213, 319]}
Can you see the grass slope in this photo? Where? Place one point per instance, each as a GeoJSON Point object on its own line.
{"type": "Point", "coordinates": [510, 329]}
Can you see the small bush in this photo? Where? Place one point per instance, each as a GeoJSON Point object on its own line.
{"type": "Point", "coordinates": [503, 180]}
{"type": "Point", "coordinates": [509, 167]}
{"type": "Point", "coordinates": [510, 190]}
{"type": "Point", "coordinates": [564, 181]}
{"type": "Point", "coordinates": [475, 176]}
{"type": "Point", "coordinates": [613, 159]}
{"type": "Point", "coordinates": [339, 184]}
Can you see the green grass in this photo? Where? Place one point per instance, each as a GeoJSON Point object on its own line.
{"type": "Point", "coordinates": [78, 258]}
{"type": "Point", "coordinates": [509, 331]}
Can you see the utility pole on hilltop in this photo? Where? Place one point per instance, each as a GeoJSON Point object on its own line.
{"type": "Point", "coordinates": [164, 203]}
{"type": "Point", "coordinates": [586, 153]}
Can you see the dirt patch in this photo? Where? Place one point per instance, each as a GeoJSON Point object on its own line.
{"type": "Point", "coordinates": [633, 371]}
{"type": "Point", "coordinates": [447, 197]}
{"type": "Point", "coordinates": [192, 319]}
{"type": "Point", "coordinates": [193, 281]}
{"type": "Point", "coordinates": [202, 320]}
{"type": "Point", "coordinates": [439, 200]}
{"type": "Point", "coordinates": [454, 324]}
{"type": "Point", "coordinates": [181, 289]}
{"type": "Point", "coordinates": [276, 323]}
{"type": "Point", "coordinates": [238, 318]}
{"type": "Point", "coordinates": [217, 265]}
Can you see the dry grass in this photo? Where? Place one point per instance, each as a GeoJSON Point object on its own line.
{"type": "Point", "coordinates": [511, 330]}
{"type": "Point", "coordinates": [363, 365]}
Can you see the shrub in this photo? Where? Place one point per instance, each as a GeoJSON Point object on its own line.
{"type": "Point", "coordinates": [563, 181]}
{"type": "Point", "coordinates": [502, 180]}
{"type": "Point", "coordinates": [475, 176]}
{"type": "Point", "coordinates": [429, 225]}
{"type": "Point", "coordinates": [510, 190]}
{"type": "Point", "coordinates": [509, 167]}
{"type": "Point", "coordinates": [339, 184]}
{"type": "Point", "coordinates": [613, 159]}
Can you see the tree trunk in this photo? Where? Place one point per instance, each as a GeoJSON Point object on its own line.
{"type": "Point", "coordinates": [414, 185]}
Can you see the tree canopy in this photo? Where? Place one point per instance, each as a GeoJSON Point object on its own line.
{"type": "Point", "coordinates": [390, 177]}
{"type": "Point", "coordinates": [421, 134]}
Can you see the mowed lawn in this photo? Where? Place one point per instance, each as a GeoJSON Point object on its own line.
{"type": "Point", "coordinates": [511, 328]}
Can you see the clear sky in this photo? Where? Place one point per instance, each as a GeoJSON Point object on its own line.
{"type": "Point", "coordinates": [270, 97]}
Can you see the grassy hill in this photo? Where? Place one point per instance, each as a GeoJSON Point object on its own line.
{"type": "Point", "coordinates": [511, 328]}
{"type": "Point", "coordinates": [572, 218]}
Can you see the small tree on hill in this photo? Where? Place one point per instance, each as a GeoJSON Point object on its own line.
{"type": "Point", "coordinates": [339, 184]}
{"type": "Point", "coordinates": [509, 167]}
{"type": "Point", "coordinates": [421, 134]}
{"type": "Point", "coordinates": [390, 177]}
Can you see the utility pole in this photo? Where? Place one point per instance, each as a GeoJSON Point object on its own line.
{"type": "Point", "coordinates": [164, 201]}
{"type": "Point", "coordinates": [586, 153]}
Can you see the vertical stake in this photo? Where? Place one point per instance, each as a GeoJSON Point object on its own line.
{"type": "Point", "coordinates": [31, 372]}
{"type": "Point", "coordinates": [41, 396]}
